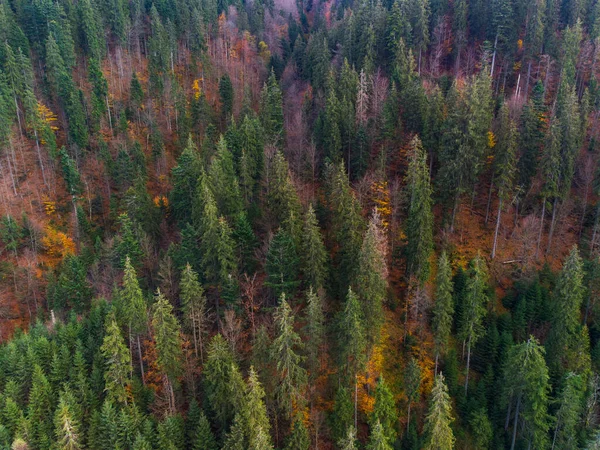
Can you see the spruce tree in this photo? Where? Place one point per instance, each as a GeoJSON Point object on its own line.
{"type": "Point", "coordinates": [384, 411]}
{"type": "Point", "coordinates": [185, 182]}
{"type": "Point", "coordinates": [315, 331]}
{"type": "Point", "coordinates": [349, 442]}
{"type": "Point", "coordinates": [371, 279]}
{"type": "Point", "coordinates": [117, 375]}
{"type": "Point", "coordinates": [378, 440]}
{"type": "Point", "coordinates": [167, 334]}
{"type": "Point", "coordinates": [282, 264]}
{"type": "Point", "coordinates": [474, 309]}
{"type": "Point", "coordinates": [193, 305]}
{"type": "Point", "coordinates": [224, 182]}
{"type": "Point", "coordinates": [419, 226]}
{"type": "Point", "coordinates": [291, 376]}
{"type": "Point", "coordinates": [412, 385]}
{"type": "Point", "coordinates": [298, 438]}
{"type": "Point", "coordinates": [314, 254]}
{"type": "Point", "coordinates": [569, 412]}
{"type": "Point", "coordinates": [256, 420]}
{"type": "Point", "coordinates": [67, 427]}
{"type": "Point", "coordinates": [271, 107]}
{"type": "Point", "coordinates": [226, 97]}
{"type": "Point", "coordinates": [438, 431]}
{"type": "Point", "coordinates": [443, 308]}
{"type": "Point", "coordinates": [282, 198]}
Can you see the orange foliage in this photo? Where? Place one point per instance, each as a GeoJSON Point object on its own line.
{"type": "Point", "coordinates": [367, 381]}
{"type": "Point", "coordinates": [47, 116]}
{"type": "Point", "coordinates": [152, 376]}
{"type": "Point", "coordinates": [381, 198]}
{"type": "Point", "coordinates": [57, 244]}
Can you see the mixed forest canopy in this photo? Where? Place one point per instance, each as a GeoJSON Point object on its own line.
{"type": "Point", "coordinates": [320, 224]}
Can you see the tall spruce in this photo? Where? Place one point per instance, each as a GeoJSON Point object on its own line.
{"type": "Point", "coordinates": [438, 421]}
{"type": "Point", "coordinates": [443, 308]}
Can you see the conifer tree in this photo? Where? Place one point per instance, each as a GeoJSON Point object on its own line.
{"type": "Point", "coordinates": [342, 414]}
{"type": "Point", "coordinates": [67, 428]}
{"type": "Point", "coordinates": [384, 411]}
{"type": "Point", "coordinates": [565, 320]}
{"type": "Point", "coordinates": [133, 310]}
{"type": "Point", "coordinates": [282, 198]}
{"type": "Point", "coordinates": [348, 442]}
{"type": "Point", "coordinates": [412, 385]}
{"type": "Point", "coordinates": [224, 182]}
{"type": "Point", "coordinates": [117, 362]}
{"type": "Point", "coordinates": [193, 304]}
{"type": "Point", "coordinates": [226, 97]}
{"type": "Point", "coordinates": [378, 440]}
{"type": "Point", "coordinates": [185, 182]}
{"type": "Point", "coordinates": [371, 277]}
{"type": "Point", "coordinates": [39, 410]}
{"type": "Point", "coordinates": [166, 331]}
{"type": "Point", "coordinates": [419, 227]}
{"type": "Point", "coordinates": [236, 439]}
{"type": "Point", "coordinates": [291, 376]}
{"type": "Point", "coordinates": [526, 386]}
{"type": "Point", "coordinates": [474, 309]}
{"type": "Point", "coordinates": [504, 165]}
{"type": "Point", "coordinates": [443, 308]}
{"type": "Point", "coordinates": [314, 254]}
{"type": "Point", "coordinates": [255, 414]}
{"type": "Point", "coordinates": [569, 412]}
{"type": "Point", "coordinates": [315, 331]}
{"type": "Point", "coordinates": [438, 433]}
{"type": "Point", "coordinates": [282, 264]}
{"type": "Point", "coordinates": [298, 438]}
{"type": "Point", "coordinates": [271, 106]}
{"type": "Point", "coordinates": [203, 438]}
{"type": "Point", "coordinates": [223, 391]}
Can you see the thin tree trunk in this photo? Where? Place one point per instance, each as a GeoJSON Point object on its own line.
{"type": "Point", "coordinates": [497, 228]}
{"type": "Point", "coordinates": [537, 249]}
{"type": "Point", "coordinates": [554, 207]}
{"type": "Point", "coordinates": [494, 56]}
{"type": "Point", "coordinates": [489, 202]}
{"type": "Point", "coordinates": [507, 421]}
{"type": "Point", "coordinates": [514, 436]}
{"type": "Point", "coordinates": [139, 348]}
{"type": "Point", "coordinates": [468, 366]}
{"type": "Point", "coordinates": [356, 401]}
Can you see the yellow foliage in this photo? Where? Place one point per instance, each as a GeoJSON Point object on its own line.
{"type": "Point", "coordinates": [491, 139]}
{"type": "Point", "coordinates": [49, 206]}
{"type": "Point", "coordinates": [263, 51]}
{"type": "Point", "coordinates": [367, 381]}
{"type": "Point", "coordinates": [47, 115]}
{"type": "Point", "coordinates": [517, 66]}
{"type": "Point", "coordinates": [520, 44]}
{"type": "Point", "coordinates": [57, 244]}
{"type": "Point", "coordinates": [381, 197]}
{"type": "Point", "coordinates": [196, 88]}
{"type": "Point", "coordinates": [161, 201]}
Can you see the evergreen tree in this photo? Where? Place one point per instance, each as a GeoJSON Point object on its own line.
{"type": "Point", "coordinates": [474, 309]}
{"type": "Point", "coordinates": [67, 426]}
{"type": "Point", "coordinates": [117, 362]}
{"type": "Point", "coordinates": [193, 304]}
{"type": "Point", "coordinates": [224, 182]}
{"type": "Point", "coordinates": [166, 331]}
{"type": "Point", "coordinates": [569, 412]}
{"type": "Point", "coordinates": [299, 438]}
{"type": "Point", "coordinates": [282, 198]}
{"type": "Point", "coordinates": [226, 96]}
{"type": "Point", "coordinates": [271, 107]}
{"type": "Point", "coordinates": [185, 182]}
{"type": "Point", "coordinates": [443, 308]}
{"type": "Point", "coordinates": [315, 331]}
{"type": "Point", "coordinates": [438, 433]}
{"type": "Point", "coordinates": [563, 338]}
{"type": "Point", "coordinates": [378, 440]}
{"type": "Point", "coordinates": [282, 264]}
{"type": "Point", "coordinates": [314, 254]}
{"type": "Point", "coordinates": [348, 442]}
{"type": "Point", "coordinates": [291, 375]}
{"type": "Point", "coordinates": [371, 278]}
{"type": "Point", "coordinates": [39, 410]}
{"type": "Point", "coordinates": [384, 411]}
{"type": "Point", "coordinates": [526, 386]}
{"type": "Point", "coordinates": [412, 385]}
{"type": "Point", "coordinates": [419, 227]}
{"type": "Point", "coordinates": [255, 414]}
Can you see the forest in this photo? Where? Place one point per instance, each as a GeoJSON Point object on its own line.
{"type": "Point", "coordinates": [309, 224]}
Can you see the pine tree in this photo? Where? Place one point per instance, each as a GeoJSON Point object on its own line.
{"type": "Point", "coordinates": [526, 385]}
{"type": "Point", "coordinates": [438, 433]}
{"type": "Point", "coordinates": [341, 416]}
{"type": "Point", "coordinates": [39, 410]}
{"type": "Point", "coordinates": [314, 254]}
{"type": "Point", "coordinates": [117, 362]}
{"type": "Point", "coordinates": [282, 264]}
{"type": "Point", "coordinates": [352, 336]}
{"type": "Point", "coordinates": [282, 198]}
{"type": "Point", "coordinates": [349, 441]}
{"type": "Point", "coordinates": [291, 376]}
{"type": "Point", "coordinates": [474, 309]}
{"type": "Point", "coordinates": [226, 97]}
{"type": "Point", "coordinates": [193, 304]}
{"type": "Point", "coordinates": [419, 227]}
{"type": "Point", "coordinates": [203, 438]}
{"type": "Point", "coordinates": [167, 334]}
{"type": "Point", "coordinates": [412, 385]}
{"type": "Point", "coordinates": [236, 439]}
{"type": "Point", "coordinates": [378, 440]}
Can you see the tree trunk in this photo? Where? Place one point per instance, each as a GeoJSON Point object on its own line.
{"type": "Point", "coordinates": [554, 207]}
{"type": "Point", "coordinates": [468, 366]}
{"type": "Point", "coordinates": [139, 348]}
{"type": "Point", "coordinates": [494, 56]}
{"type": "Point", "coordinates": [408, 417]}
{"type": "Point", "coordinates": [514, 436]}
{"type": "Point", "coordinates": [489, 202]}
{"type": "Point", "coordinates": [537, 249]}
{"type": "Point", "coordinates": [497, 228]}
{"type": "Point", "coordinates": [356, 401]}
{"type": "Point", "coordinates": [437, 357]}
